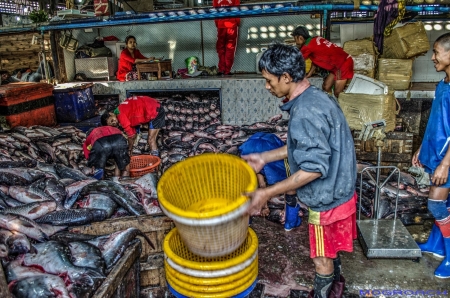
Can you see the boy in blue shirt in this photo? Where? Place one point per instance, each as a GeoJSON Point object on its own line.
{"type": "Point", "coordinates": [434, 156]}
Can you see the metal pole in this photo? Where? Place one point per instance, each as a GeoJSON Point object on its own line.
{"type": "Point", "coordinates": [202, 45]}
{"type": "Point", "coordinates": [45, 68]}
{"type": "Point", "coordinates": [377, 189]}
{"type": "Point", "coordinates": [54, 46]}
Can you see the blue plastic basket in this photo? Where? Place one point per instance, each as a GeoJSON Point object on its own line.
{"type": "Point", "coordinates": [243, 294]}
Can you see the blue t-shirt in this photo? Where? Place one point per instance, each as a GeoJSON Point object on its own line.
{"type": "Point", "coordinates": [437, 135]}
{"type": "Point", "coordinates": [261, 142]}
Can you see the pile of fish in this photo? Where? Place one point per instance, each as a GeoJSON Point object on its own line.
{"type": "Point", "coordinates": [68, 265]}
{"type": "Point", "coordinates": [191, 112]}
{"type": "Point", "coordinates": [106, 103]}
{"type": "Point", "coordinates": [63, 145]}
{"type": "Point", "coordinates": [412, 197]}
{"type": "Point", "coordinates": [58, 195]}
{"type": "Point", "coordinates": [179, 144]}
{"type": "Point", "coordinates": [38, 200]}
{"type": "Point", "coordinates": [193, 127]}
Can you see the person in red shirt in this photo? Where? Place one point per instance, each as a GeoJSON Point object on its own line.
{"type": "Point", "coordinates": [227, 34]}
{"type": "Point", "coordinates": [128, 59]}
{"type": "Point", "coordinates": [133, 112]}
{"type": "Point", "coordinates": [103, 143]}
{"type": "Point", "coordinates": [325, 54]}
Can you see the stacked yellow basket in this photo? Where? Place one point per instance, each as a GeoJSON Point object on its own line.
{"type": "Point", "coordinates": [211, 252]}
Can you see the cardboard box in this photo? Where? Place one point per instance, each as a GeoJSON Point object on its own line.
{"type": "Point", "coordinates": [362, 108]}
{"type": "Point", "coordinates": [396, 73]}
{"type": "Point", "coordinates": [364, 56]}
{"type": "Point", "coordinates": [405, 42]}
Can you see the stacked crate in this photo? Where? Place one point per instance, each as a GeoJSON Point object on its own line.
{"type": "Point", "coordinates": [26, 104]}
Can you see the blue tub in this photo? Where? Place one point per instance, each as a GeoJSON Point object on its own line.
{"type": "Point", "coordinates": [74, 102]}
{"type": "Point", "coordinates": [84, 125]}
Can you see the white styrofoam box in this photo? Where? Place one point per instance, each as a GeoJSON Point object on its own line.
{"type": "Point", "coordinates": [101, 67]}
{"type": "Point", "coordinates": [365, 85]}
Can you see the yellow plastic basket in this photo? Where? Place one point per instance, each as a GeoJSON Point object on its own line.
{"type": "Point", "coordinates": [216, 289]}
{"type": "Point", "coordinates": [207, 281]}
{"type": "Point", "coordinates": [230, 293]}
{"type": "Point", "coordinates": [176, 251]}
{"type": "Point", "coordinates": [203, 196]}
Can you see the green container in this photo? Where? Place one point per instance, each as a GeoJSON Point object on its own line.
{"type": "Point", "coordinates": [192, 64]}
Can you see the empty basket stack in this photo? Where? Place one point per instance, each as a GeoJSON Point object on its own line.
{"type": "Point", "coordinates": [212, 252]}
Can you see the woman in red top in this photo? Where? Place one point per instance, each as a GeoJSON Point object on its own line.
{"type": "Point", "coordinates": [128, 59]}
{"type": "Point", "coordinates": [325, 54]}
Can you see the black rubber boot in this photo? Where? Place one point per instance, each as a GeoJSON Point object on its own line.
{"type": "Point", "coordinates": [337, 268]}
{"type": "Point", "coordinates": [322, 285]}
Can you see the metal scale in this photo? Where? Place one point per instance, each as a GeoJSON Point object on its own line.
{"type": "Point", "coordinates": [383, 238]}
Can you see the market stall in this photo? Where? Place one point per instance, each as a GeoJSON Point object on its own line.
{"type": "Point", "coordinates": [46, 184]}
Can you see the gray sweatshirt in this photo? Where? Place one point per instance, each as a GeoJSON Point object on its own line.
{"type": "Point", "coordinates": [319, 140]}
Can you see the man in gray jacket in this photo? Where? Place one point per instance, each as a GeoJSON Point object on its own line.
{"type": "Point", "coordinates": [322, 161]}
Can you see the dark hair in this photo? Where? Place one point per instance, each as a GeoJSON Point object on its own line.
{"type": "Point", "coordinates": [104, 118]}
{"type": "Point", "coordinates": [128, 38]}
{"type": "Point", "coordinates": [280, 59]}
{"type": "Point", "coordinates": [301, 31]}
{"type": "Point", "coordinates": [444, 41]}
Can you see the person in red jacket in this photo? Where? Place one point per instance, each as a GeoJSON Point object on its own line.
{"type": "Point", "coordinates": [103, 143]}
{"type": "Point", "coordinates": [227, 34]}
{"type": "Point", "coordinates": [325, 54]}
{"type": "Point", "coordinates": [133, 112]}
{"type": "Point", "coordinates": [128, 59]}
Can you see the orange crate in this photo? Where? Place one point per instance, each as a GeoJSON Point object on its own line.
{"type": "Point", "coordinates": [143, 164]}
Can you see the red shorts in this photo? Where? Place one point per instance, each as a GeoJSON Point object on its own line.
{"type": "Point", "coordinates": [345, 72]}
{"type": "Point", "coordinates": [326, 240]}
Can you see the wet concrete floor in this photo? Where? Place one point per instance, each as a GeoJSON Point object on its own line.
{"type": "Point", "coordinates": [284, 265]}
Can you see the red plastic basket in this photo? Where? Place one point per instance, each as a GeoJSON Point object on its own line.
{"type": "Point", "coordinates": [143, 164]}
